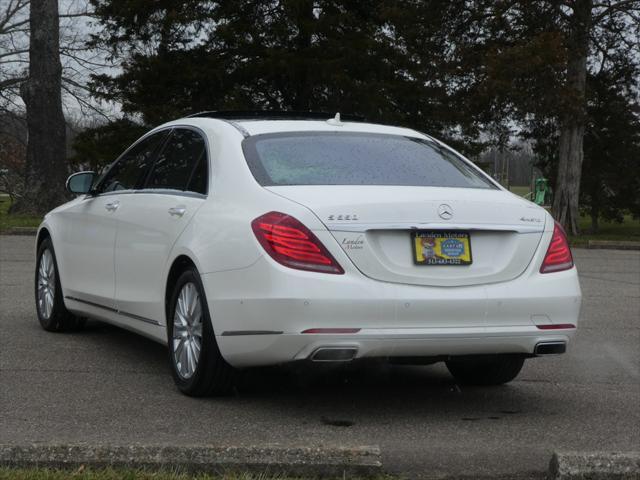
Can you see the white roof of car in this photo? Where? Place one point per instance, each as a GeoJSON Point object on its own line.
{"type": "Point", "coordinates": [258, 127]}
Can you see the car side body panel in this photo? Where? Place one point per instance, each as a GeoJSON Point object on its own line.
{"type": "Point", "coordinates": [147, 232]}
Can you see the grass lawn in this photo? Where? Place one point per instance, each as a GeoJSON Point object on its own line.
{"type": "Point", "coordinates": [629, 230]}
{"type": "Point", "coordinates": [11, 221]}
{"type": "Point", "coordinates": [119, 474]}
{"type": "Point", "coordinates": [522, 191]}
{"type": "Point", "coordinates": [89, 474]}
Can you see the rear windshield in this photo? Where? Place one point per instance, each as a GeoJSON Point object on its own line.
{"type": "Point", "coordinates": [318, 158]}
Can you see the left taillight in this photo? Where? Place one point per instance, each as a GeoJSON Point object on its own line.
{"type": "Point", "coordinates": [292, 244]}
{"type": "Point", "coordinates": [558, 257]}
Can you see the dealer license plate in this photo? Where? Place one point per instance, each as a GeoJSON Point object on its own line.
{"type": "Point", "coordinates": [441, 247]}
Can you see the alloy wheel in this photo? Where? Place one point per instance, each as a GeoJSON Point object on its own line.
{"type": "Point", "coordinates": [46, 284]}
{"type": "Point", "coordinates": [187, 331]}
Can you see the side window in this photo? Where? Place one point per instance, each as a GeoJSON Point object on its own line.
{"type": "Point", "coordinates": [131, 169]}
{"type": "Point", "coordinates": [182, 163]}
{"type": "Point", "coordinates": [198, 182]}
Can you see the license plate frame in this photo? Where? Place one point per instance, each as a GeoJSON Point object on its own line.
{"type": "Point", "coordinates": [427, 248]}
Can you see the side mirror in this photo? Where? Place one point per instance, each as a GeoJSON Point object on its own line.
{"type": "Point", "coordinates": [80, 183]}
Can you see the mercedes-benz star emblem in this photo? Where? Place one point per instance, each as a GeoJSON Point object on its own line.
{"type": "Point", "coordinates": [445, 211]}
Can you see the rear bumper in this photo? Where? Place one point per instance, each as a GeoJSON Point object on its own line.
{"type": "Point", "coordinates": [245, 351]}
{"type": "Point", "coordinates": [259, 312]}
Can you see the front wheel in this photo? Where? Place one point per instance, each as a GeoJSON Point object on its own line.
{"type": "Point", "coordinates": [196, 363]}
{"type": "Point", "coordinates": [52, 313]}
{"type": "Point", "coordinates": [486, 369]}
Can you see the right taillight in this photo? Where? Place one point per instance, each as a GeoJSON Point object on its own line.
{"type": "Point", "coordinates": [292, 244]}
{"type": "Point", "coordinates": [558, 255]}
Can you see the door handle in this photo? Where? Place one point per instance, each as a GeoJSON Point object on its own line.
{"type": "Point", "coordinates": [112, 206]}
{"type": "Point", "coordinates": [177, 211]}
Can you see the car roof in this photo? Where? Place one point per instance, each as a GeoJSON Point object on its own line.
{"type": "Point", "coordinates": [259, 127]}
{"type": "Point", "coordinates": [283, 122]}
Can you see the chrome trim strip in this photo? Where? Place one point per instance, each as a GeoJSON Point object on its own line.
{"type": "Point", "coordinates": [114, 310]}
{"type": "Point", "coordinates": [364, 227]}
{"type": "Point", "coordinates": [175, 193]}
{"type": "Point", "coordinates": [138, 317]}
{"type": "Point", "coordinates": [75, 299]}
{"type": "Point", "coordinates": [236, 333]}
{"type": "Point", "coordinates": [165, 191]}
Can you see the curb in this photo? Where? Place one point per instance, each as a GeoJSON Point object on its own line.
{"type": "Point", "coordinates": [614, 244]}
{"type": "Point", "coordinates": [295, 461]}
{"type": "Point", "coordinates": [594, 466]}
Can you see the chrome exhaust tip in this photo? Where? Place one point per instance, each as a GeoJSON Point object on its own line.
{"type": "Point", "coordinates": [334, 354]}
{"type": "Point", "coordinates": [550, 348]}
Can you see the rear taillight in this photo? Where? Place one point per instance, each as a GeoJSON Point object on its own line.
{"type": "Point", "coordinates": [292, 244]}
{"type": "Point", "coordinates": [558, 255]}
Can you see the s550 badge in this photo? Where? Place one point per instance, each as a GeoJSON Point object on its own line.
{"type": "Point", "coordinates": [352, 218]}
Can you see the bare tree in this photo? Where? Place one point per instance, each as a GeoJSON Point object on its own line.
{"type": "Point", "coordinates": [76, 63]}
{"type": "Point", "coordinates": [14, 63]}
{"type": "Point", "coordinates": [42, 94]}
{"type": "Point", "coordinates": [588, 22]}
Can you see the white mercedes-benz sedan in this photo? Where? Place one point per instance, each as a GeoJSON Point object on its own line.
{"type": "Point", "coordinates": [242, 240]}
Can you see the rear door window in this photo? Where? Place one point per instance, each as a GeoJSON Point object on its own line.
{"type": "Point", "coordinates": [319, 158]}
{"type": "Point", "coordinates": [182, 163]}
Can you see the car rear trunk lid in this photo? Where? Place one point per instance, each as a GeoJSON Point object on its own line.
{"type": "Point", "coordinates": [374, 225]}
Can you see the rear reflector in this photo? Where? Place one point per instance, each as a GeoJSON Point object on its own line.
{"type": "Point", "coordinates": [292, 244]}
{"type": "Point", "coordinates": [556, 326]}
{"type": "Point", "coordinates": [331, 330]}
{"type": "Point", "coordinates": [558, 255]}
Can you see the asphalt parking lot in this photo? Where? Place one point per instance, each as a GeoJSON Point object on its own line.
{"type": "Point", "coordinates": [107, 386]}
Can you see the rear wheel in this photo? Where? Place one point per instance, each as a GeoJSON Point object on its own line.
{"type": "Point", "coordinates": [485, 370]}
{"type": "Point", "coordinates": [52, 313]}
{"type": "Point", "coordinates": [196, 363]}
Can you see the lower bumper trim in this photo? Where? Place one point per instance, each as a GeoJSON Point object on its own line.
{"type": "Point", "coordinates": [236, 333]}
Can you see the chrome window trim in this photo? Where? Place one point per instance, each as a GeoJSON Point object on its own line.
{"type": "Point", "coordinates": [175, 193]}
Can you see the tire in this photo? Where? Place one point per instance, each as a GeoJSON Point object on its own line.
{"type": "Point", "coordinates": [485, 370]}
{"type": "Point", "coordinates": [52, 313]}
{"type": "Point", "coordinates": [210, 374]}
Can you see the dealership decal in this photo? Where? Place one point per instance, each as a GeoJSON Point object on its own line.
{"type": "Point", "coordinates": [353, 243]}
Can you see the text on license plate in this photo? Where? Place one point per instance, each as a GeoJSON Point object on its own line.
{"type": "Point", "coordinates": [441, 248]}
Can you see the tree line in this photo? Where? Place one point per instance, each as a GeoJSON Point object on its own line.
{"type": "Point", "coordinates": [561, 75]}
